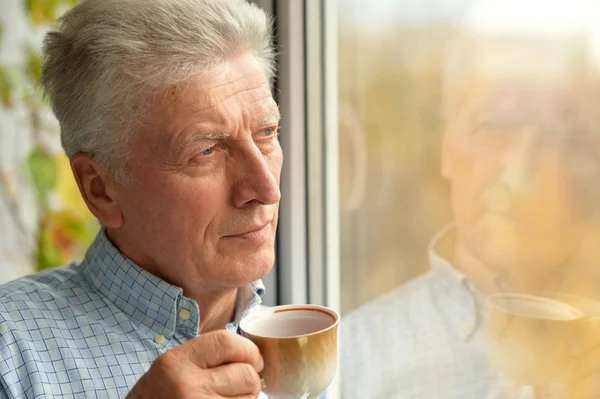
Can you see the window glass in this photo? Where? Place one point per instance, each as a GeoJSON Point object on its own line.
{"type": "Point", "coordinates": [469, 166]}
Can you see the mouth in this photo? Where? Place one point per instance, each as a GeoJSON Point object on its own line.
{"type": "Point", "coordinates": [505, 211]}
{"type": "Point", "coordinates": [509, 215]}
{"type": "Point", "coordinates": [257, 234]}
{"type": "Point", "coordinates": [508, 218]}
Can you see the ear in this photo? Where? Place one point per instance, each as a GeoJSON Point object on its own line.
{"type": "Point", "coordinates": [97, 187]}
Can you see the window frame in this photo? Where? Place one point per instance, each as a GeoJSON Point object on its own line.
{"type": "Point", "coordinates": [307, 268]}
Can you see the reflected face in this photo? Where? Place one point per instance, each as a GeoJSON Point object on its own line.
{"type": "Point", "coordinates": [515, 159]}
{"type": "Point", "coordinates": [203, 201]}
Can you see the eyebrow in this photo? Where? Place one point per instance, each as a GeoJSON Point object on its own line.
{"type": "Point", "coordinates": [202, 137]}
{"type": "Point", "coordinates": [223, 135]}
{"type": "Point", "coordinates": [273, 115]}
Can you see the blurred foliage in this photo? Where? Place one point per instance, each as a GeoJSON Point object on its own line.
{"type": "Point", "coordinates": [64, 237]}
{"type": "Point", "coordinates": [7, 87]}
{"type": "Point", "coordinates": [42, 167]}
{"type": "Point", "coordinates": [34, 64]}
{"type": "Point", "coordinates": [66, 227]}
{"type": "Point", "coordinates": [46, 11]}
{"type": "Point", "coordinates": [65, 233]}
{"type": "Point", "coordinates": [390, 86]}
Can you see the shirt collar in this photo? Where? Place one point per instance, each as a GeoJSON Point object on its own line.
{"type": "Point", "coordinates": [150, 303]}
{"type": "Point", "coordinates": [439, 250]}
{"type": "Point", "coordinates": [460, 304]}
{"type": "Point", "coordinates": [248, 297]}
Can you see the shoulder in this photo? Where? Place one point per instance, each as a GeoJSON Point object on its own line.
{"type": "Point", "coordinates": [38, 327]}
{"type": "Point", "coordinates": [39, 296]}
{"type": "Point", "coordinates": [46, 281]}
{"type": "Point", "coordinates": [394, 321]}
{"type": "Point", "coordinates": [398, 303]}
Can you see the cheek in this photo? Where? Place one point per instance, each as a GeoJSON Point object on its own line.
{"type": "Point", "coordinates": [195, 203]}
{"type": "Point", "coordinates": [472, 175]}
{"type": "Point", "coordinates": [555, 198]}
{"type": "Point", "coordinates": [174, 204]}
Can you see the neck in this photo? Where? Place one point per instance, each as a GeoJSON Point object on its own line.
{"type": "Point", "coordinates": [216, 308]}
{"type": "Point", "coordinates": [486, 280]}
{"type": "Point", "coordinates": [526, 278]}
{"type": "Point", "coordinates": [474, 269]}
{"type": "Point", "coordinates": [216, 304]}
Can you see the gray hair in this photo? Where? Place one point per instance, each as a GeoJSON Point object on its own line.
{"type": "Point", "coordinates": [545, 60]}
{"type": "Point", "coordinates": [108, 59]}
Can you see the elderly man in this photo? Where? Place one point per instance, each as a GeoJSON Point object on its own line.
{"type": "Point", "coordinates": [167, 116]}
{"type": "Point", "coordinates": [520, 153]}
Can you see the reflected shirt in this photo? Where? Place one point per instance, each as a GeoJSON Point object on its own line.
{"type": "Point", "coordinates": [92, 329]}
{"type": "Point", "coordinates": [426, 339]}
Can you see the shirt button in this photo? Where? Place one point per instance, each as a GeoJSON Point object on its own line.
{"type": "Point", "coordinates": [160, 339]}
{"type": "Point", "coordinates": [184, 314]}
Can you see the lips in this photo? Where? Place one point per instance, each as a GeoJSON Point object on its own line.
{"type": "Point", "coordinates": [502, 213]}
{"type": "Point", "coordinates": [249, 230]}
{"type": "Point", "coordinates": [507, 212]}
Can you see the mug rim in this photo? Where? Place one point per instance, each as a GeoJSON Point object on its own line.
{"type": "Point", "coordinates": [536, 298]}
{"type": "Point", "coordinates": [286, 308]}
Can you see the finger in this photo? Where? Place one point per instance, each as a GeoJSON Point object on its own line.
{"type": "Point", "coordinates": [222, 347]}
{"type": "Point", "coordinates": [235, 379]}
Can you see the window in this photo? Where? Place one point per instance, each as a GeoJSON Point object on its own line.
{"type": "Point", "coordinates": [468, 155]}
{"type": "Point", "coordinates": [438, 152]}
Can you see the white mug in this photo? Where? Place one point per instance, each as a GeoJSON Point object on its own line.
{"type": "Point", "coordinates": [299, 347]}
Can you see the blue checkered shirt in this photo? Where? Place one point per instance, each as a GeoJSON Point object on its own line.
{"type": "Point", "coordinates": [92, 329]}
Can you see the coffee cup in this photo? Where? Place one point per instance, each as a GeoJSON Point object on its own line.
{"type": "Point", "coordinates": [299, 347]}
{"type": "Point", "coordinates": [534, 339]}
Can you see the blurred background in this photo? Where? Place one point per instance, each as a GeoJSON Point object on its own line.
{"type": "Point", "coordinates": [43, 220]}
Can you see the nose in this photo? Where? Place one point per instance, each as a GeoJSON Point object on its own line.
{"type": "Point", "coordinates": [257, 178]}
{"type": "Point", "coordinates": [519, 162]}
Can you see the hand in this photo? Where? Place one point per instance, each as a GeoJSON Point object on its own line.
{"type": "Point", "coordinates": [218, 364]}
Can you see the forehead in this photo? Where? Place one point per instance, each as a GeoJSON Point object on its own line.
{"type": "Point", "coordinates": [524, 102]}
{"type": "Point", "coordinates": [239, 90]}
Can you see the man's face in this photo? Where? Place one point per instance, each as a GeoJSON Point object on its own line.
{"type": "Point", "coordinates": [514, 158]}
{"type": "Point", "coordinates": [204, 194]}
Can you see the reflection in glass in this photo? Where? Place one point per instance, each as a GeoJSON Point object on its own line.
{"type": "Point", "coordinates": [482, 119]}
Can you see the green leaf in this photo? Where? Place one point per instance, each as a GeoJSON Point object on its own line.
{"type": "Point", "coordinates": [63, 237]}
{"type": "Point", "coordinates": [43, 170]}
{"type": "Point", "coordinates": [45, 11]}
{"type": "Point", "coordinates": [42, 11]}
{"type": "Point", "coordinates": [34, 64]}
{"type": "Point", "coordinates": [7, 87]}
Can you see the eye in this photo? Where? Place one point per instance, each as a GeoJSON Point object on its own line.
{"type": "Point", "coordinates": [208, 151]}
{"type": "Point", "coordinates": [268, 132]}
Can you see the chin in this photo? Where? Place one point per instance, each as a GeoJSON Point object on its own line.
{"type": "Point", "coordinates": [517, 255]}
{"type": "Point", "coordinates": [246, 268]}
{"type": "Point", "coordinates": [500, 247]}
